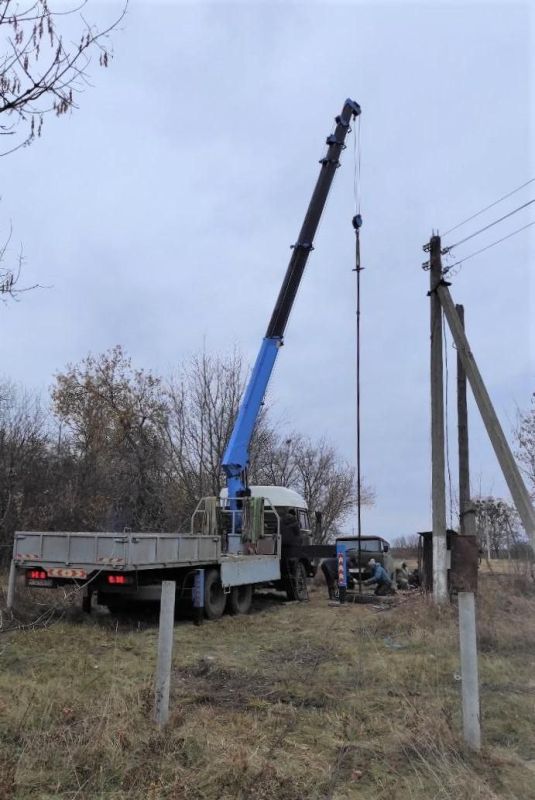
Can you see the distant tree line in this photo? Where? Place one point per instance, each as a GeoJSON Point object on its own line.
{"type": "Point", "coordinates": [498, 527]}
{"type": "Point", "coordinates": [406, 546]}
{"type": "Point", "coordinates": [498, 530]}
{"type": "Point", "coordinates": [122, 448]}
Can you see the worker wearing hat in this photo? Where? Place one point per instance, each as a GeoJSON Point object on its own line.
{"type": "Point", "coordinates": [380, 577]}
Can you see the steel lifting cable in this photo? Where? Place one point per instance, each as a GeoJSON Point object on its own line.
{"type": "Point", "coordinates": [357, 223]}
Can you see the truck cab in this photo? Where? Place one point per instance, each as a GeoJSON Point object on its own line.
{"type": "Point", "coordinates": [291, 509]}
{"type": "Point", "coordinates": [295, 535]}
{"type": "Point", "coordinates": [370, 547]}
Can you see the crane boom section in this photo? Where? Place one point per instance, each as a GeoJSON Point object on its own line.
{"type": "Point", "coordinates": [236, 457]}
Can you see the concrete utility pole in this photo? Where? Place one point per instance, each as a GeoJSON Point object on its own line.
{"type": "Point", "coordinates": [501, 447]}
{"type": "Point", "coordinates": [469, 669]}
{"type": "Point", "coordinates": [165, 652]}
{"type": "Point", "coordinates": [466, 508]}
{"type": "Point", "coordinates": [11, 585]}
{"type": "Point", "coordinates": [438, 481]}
{"type": "Point", "coordinates": [467, 600]}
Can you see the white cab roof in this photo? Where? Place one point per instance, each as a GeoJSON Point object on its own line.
{"type": "Point", "coordinates": [277, 496]}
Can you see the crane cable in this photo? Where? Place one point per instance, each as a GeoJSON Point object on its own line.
{"type": "Point", "coordinates": [357, 223]}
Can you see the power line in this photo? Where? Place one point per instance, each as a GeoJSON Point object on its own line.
{"type": "Point", "coordinates": [495, 203]}
{"type": "Point", "coordinates": [490, 225]}
{"type": "Point", "coordinates": [498, 241]}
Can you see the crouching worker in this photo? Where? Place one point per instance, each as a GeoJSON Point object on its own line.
{"type": "Point", "coordinates": [402, 577]}
{"type": "Point", "coordinates": [329, 567]}
{"type": "Point", "coordinates": [380, 577]}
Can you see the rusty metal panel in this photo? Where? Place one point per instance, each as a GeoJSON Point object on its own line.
{"type": "Point", "coordinates": [464, 564]}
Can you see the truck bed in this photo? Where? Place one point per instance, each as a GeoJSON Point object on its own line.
{"type": "Point", "coordinates": [113, 551]}
{"type": "Point", "coordinates": [69, 555]}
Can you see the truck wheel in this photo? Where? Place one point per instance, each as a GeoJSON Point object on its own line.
{"type": "Point", "coordinates": [296, 583]}
{"type": "Point", "coordinates": [214, 596]}
{"type": "Point", "coordinates": [241, 599]}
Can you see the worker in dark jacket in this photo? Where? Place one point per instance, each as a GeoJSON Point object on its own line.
{"type": "Point", "coordinates": [289, 523]}
{"type": "Point", "coordinates": [329, 567]}
{"type": "Point", "coordinates": [379, 576]}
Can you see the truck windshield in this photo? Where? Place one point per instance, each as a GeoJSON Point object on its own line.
{"type": "Point", "coordinates": [366, 545]}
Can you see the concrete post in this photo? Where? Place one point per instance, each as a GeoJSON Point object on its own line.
{"type": "Point", "coordinates": [466, 508]}
{"type": "Point", "coordinates": [11, 585]}
{"type": "Point", "coordinates": [165, 652]}
{"type": "Point", "coordinates": [469, 670]}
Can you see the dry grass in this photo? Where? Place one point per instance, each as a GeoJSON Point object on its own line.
{"type": "Point", "coordinates": [292, 702]}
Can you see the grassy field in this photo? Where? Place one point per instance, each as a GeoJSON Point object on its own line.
{"type": "Point", "coordinates": [293, 702]}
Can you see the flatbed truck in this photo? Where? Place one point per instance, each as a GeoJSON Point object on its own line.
{"type": "Point", "coordinates": [246, 537]}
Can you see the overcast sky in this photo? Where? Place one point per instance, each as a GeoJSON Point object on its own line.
{"type": "Point", "coordinates": [161, 212]}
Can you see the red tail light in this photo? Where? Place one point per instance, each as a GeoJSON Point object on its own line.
{"type": "Point", "coordinates": [119, 580]}
{"type": "Point", "coordinates": [36, 574]}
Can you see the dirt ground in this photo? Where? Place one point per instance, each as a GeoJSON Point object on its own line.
{"type": "Point", "coordinates": [292, 702]}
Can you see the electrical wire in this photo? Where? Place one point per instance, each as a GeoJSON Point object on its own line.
{"type": "Point", "coordinates": [482, 250]}
{"type": "Point", "coordinates": [490, 225]}
{"type": "Point", "coordinates": [495, 203]}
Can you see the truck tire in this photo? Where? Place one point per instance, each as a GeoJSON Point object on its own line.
{"type": "Point", "coordinates": [214, 596]}
{"type": "Point", "coordinates": [240, 599]}
{"type": "Point", "coordinates": [295, 582]}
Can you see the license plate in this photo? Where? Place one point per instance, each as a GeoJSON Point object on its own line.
{"type": "Point", "coordinates": [47, 583]}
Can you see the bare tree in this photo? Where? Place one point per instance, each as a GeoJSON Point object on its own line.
{"type": "Point", "coordinates": [43, 68]}
{"type": "Point", "coordinates": [114, 414]}
{"type": "Point", "coordinates": [23, 442]}
{"type": "Point", "coordinates": [525, 438]}
{"type": "Point", "coordinates": [497, 526]}
{"type": "Point", "coordinates": [317, 472]}
{"type": "Point", "coordinates": [9, 276]}
{"type": "Point", "coordinates": [203, 402]}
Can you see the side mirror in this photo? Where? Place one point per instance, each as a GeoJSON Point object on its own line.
{"type": "Point", "coordinates": [386, 548]}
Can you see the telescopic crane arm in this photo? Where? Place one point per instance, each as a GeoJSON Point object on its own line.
{"type": "Point", "coordinates": [236, 457]}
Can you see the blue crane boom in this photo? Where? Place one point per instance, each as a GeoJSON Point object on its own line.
{"type": "Point", "coordinates": [236, 458]}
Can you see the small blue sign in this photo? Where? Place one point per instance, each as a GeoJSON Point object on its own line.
{"type": "Point", "coordinates": [341, 558]}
